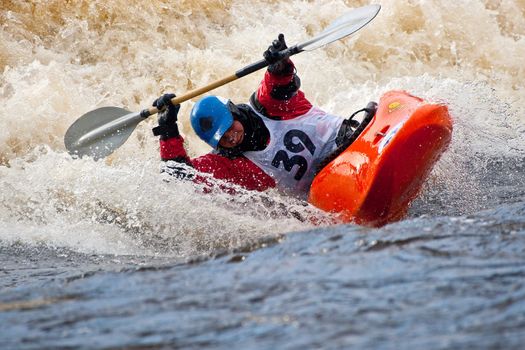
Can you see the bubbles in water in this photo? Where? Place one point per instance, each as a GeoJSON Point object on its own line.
{"type": "Point", "coordinates": [61, 59]}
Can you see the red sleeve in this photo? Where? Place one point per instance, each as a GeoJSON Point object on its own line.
{"type": "Point", "coordinates": [173, 149]}
{"type": "Point", "coordinates": [286, 109]}
{"type": "Point", "coordinates": [239, 171]}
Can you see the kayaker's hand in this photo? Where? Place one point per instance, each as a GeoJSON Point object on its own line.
{"type": "Point", "coordinates": [167, 117]}
{"type": "Point", "coordinates": [271, 55]}
{"type": "Point", "coordinates": [168, 112]}
{"type": "Point", "coordinates": [280, 65]}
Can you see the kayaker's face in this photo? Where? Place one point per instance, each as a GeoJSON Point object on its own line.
{"type": "Point", "coordinates": [234, 136]}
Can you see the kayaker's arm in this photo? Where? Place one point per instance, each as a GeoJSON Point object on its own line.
{"type": "Point", "coordinates": [171, 143]}
{"type": "Point", "coordinates": [278, 95]}
{"type": "Point", "coordinates": [239, 171]}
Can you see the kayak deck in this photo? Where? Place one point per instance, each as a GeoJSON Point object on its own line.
{"type": "Point", "coordinates": [376, 178]}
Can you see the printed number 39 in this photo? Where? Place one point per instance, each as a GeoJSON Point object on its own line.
{"type": "Point", "coordinates": [282, 156]}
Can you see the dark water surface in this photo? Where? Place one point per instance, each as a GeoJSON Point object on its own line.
{"type": "Point", "coordinates": [451, 276]}
{"type": "Point", "coordinates": [440, 283]}
{"type": "Point", "coordinates": [441, 279]}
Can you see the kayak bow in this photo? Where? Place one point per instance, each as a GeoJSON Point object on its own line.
{"type": "Point", "coordinates": [376, 178]}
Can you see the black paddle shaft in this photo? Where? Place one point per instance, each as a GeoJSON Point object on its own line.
{"type": "Point", "coordinates": [263, 63]}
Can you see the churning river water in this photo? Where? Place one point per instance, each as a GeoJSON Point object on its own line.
{"type": "Point", "coordinates": [107, 255]}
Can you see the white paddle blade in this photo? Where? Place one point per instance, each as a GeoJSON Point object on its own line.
{"type": "Point", "coordinates": [100, 132]}
{"type": "Point", "coordinates": [341, 27]}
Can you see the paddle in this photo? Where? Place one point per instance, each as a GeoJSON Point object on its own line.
{"type": "Point", "coordinates": [100, 132]}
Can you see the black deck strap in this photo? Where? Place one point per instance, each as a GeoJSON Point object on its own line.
{"type": "Point", "coordinates": [370, 111]}
{"type": "Point", "coordinates": [345, 131]}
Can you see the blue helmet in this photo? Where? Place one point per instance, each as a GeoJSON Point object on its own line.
{"type": "Point", "coordinates": [211, 118]}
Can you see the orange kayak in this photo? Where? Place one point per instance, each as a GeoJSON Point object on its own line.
{"type": "Point", "coordinates": [374, 180]}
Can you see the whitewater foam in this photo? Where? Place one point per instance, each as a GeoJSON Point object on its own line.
{"type": "Point", "coordinates": [60, 60]}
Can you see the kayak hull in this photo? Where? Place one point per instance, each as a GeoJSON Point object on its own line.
{"type": "Point", "coordinates": [376, 178]}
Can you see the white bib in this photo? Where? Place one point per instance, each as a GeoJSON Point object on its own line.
{"type": "Point", "coordinates": [296, 148]}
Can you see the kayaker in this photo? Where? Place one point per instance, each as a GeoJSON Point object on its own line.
{"type": "Point", "coordinates": [279, 139]}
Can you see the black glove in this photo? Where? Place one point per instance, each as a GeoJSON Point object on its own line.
{"type": "Point", "coordinates": [278, 64]}
{"type": "Point", "coordinates": [167, 117]}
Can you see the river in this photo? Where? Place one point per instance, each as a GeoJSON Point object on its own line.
{"type": "Point", "coordinates": [107, 255]}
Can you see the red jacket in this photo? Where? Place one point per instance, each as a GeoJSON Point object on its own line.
{"type": "Point", "coordinates": [240, 170]}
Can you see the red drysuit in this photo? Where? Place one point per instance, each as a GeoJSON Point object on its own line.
{"type": "Point", "coordinates": [239, 170]}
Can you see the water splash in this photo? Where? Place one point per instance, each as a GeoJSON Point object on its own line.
{"type": "Point", "coordinates": [60, 60]}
